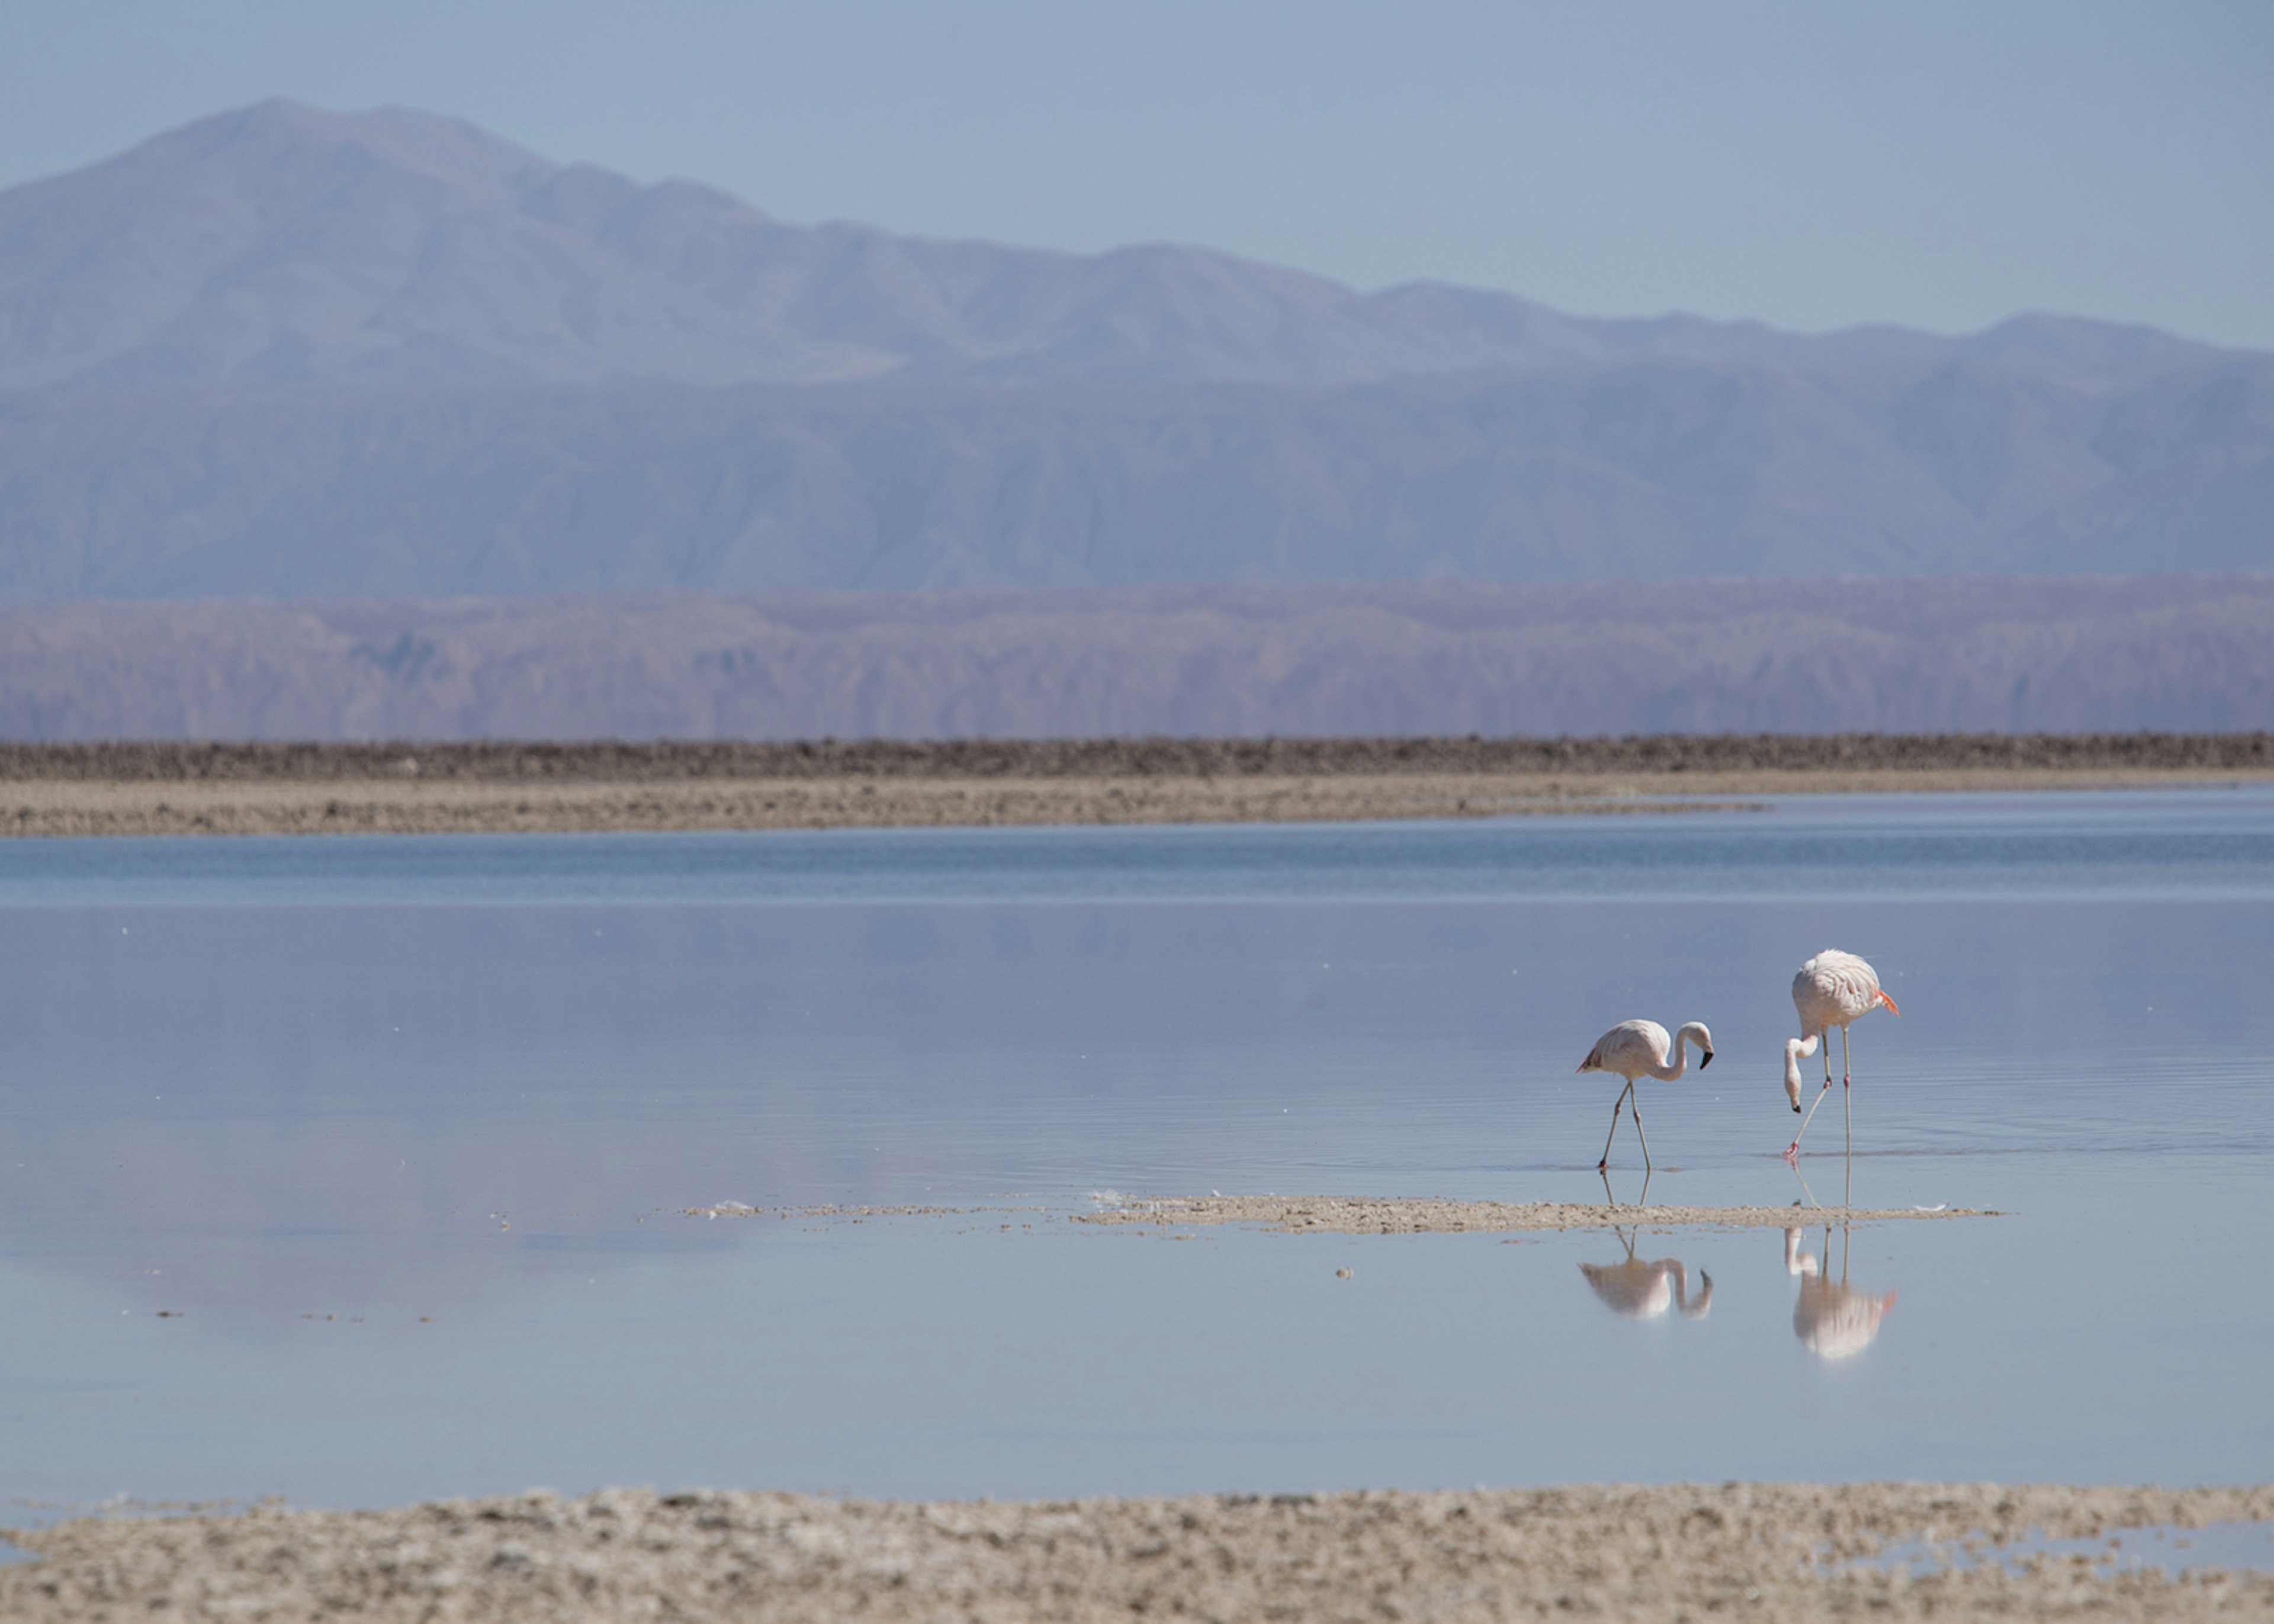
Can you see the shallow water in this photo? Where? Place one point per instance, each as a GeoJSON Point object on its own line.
{"type": "Point", "coordinates": [394, 1133]}
{"type": "Point", "coordinates": [2229, 1545]}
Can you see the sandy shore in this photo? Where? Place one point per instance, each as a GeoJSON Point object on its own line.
{"type": "Point", "coordinates": [1772, 1551]}
{"type": "Point", "coordinates": [377, 808]}
{"type": "Point", "coordinates": [159, 789]}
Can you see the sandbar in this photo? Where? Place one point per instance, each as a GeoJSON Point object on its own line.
{"type": "Point", "coordinates": [1322, 1214]}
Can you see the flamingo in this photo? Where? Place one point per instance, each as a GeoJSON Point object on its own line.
{"type": "Point", "coordinates": [1832, 990]}
{"type": "Point", "coordinates": [1636, 1050]}
{"type": "Point", "coordinates": [1832, 1320]}
{"type": "Point", "coordinates": [1640, 1290]}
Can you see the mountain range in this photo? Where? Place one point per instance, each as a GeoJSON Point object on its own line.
{"type": "Point", "coordinates": [287, 352]}
{"type": "Point", "coordinates": [2190, 653]}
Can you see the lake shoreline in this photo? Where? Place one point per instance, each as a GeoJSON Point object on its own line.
{"type": "Point", "coordinates": [173, 788]}
{"type": "Point", "coordinates": [1774, 1552]}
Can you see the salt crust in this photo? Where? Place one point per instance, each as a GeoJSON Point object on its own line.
{"type": "Point", "coordinates": [1772, 1551]}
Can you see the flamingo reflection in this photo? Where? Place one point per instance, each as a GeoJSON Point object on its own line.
{"type": "Point", "coordinates": [1833, 1320]}
{"type": "Point", "coordinates": [1638, 1288]}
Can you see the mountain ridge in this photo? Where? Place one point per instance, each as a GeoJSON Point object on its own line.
{"type": "Point", "coordinates": [287, 352]}
{"type": "Point", "coordinates": [306, 243]}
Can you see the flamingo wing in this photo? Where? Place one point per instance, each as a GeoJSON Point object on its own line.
{"type": "Point", "coordinates": [1833, 989]}
{"type": "Point", "coordinates": [1629, 1049]}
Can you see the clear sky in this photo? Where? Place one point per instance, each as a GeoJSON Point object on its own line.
{"type": "Point", "coordinates": [1810, 165]}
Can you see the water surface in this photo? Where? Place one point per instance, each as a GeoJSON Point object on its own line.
{"type": "Point", "coordinates": [397, 1132]}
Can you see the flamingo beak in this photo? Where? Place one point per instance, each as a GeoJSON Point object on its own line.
{"type": "Point", "coordinates": [1705, 1060]}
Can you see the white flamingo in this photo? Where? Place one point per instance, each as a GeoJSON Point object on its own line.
{"type": "Point", "coordinates": [1636, 1050]}
{"type": "Point", "coordinates": [1833, 1322]}
{"type": "Point", "coordinates": [1832, 990]}
{"type": "Point", "coordinates": [1640, 1290]}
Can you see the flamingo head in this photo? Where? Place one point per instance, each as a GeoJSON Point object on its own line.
{"type": "Point", "coordinates": [1792, 1071]}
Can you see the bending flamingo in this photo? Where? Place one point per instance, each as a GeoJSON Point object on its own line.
{"type": "Point", "coordinates": [1640, 1290]}
{"type": "Point", "coordinates": [1832, 990]}
{"type": "Point", "coordinates": [1636, 1050]}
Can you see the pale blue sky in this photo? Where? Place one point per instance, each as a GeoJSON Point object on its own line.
{"type": "Point", "coordinates": [1809, 164]}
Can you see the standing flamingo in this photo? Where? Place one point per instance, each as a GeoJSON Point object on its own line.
{"type": "Point", "coordinates": [1832, 990]}
{"type": "Point", "coordinates": [1636, 1050]}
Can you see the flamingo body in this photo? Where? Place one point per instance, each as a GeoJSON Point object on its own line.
{"type": "Point", "coordinates": [1833, 1320]}
{"type": "Point", "coordinates": [1641, 1289]}
{"type": "Point", "coordinates": [1832, 990]}
{"type": "Point", "coordinates": [1639, 1048]}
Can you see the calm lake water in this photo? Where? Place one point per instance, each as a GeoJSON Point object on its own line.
{"type": "Point", "coordinates": [352, 1169]}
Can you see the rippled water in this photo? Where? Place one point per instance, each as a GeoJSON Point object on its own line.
{"type": "Point", "coordinates": [395, 1134]}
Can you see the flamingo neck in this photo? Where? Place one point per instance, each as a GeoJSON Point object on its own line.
{"type": "Point", "coordinates": [1680, 1064]}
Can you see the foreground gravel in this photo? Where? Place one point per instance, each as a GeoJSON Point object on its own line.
{"type": "Point", "coordinates": [1764, 1552]}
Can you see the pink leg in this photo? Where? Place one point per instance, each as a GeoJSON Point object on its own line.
{"type": "Point", "coordinates": [1615, 1108]}
{"type": "Point", "coordinates": [1847, 1098]}
{"type": "Point", "coordinates": [1792, 1151]}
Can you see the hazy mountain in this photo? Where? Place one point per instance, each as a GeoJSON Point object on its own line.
{"type": "Point", "coordinates": [1633, 470]}
{"type": "Point", "coordinates": [289, 352]}
{"type": "Point", "coordinates": [2036, 653]}
{"type": "Point", "coordinates": [283, 243]}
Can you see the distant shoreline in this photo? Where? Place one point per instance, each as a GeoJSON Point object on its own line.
{"type": "Point", "coordinates": [171, 788]}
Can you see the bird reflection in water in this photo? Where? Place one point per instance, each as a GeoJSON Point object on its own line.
{"type": "Point", "coordinates": [1833, 1320]}
{"type": "Point", "coordinates": [1641, 1289]}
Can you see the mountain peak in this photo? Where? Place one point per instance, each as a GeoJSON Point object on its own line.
{"type": "Point", "coordinates": [453, 150]}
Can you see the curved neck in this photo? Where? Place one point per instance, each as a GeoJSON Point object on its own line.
{"type": "Point", "coordinates": [1680, 1062]}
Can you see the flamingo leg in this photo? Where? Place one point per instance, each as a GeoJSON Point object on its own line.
{"type": "Point", "coordinates": [1793, 1149]}
{"type": "Point", "coordinates": [1847, 1088]}
{"type": "Point", "coordinates": [1805, 1190]}
{"type": "Point", "coordinates": [1616, 1106]}
{"type": "Point", "coordinates": [1646, 1142]}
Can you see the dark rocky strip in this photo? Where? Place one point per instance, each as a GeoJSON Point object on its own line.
{"type": "Point", "coordinates": [666, 762]}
